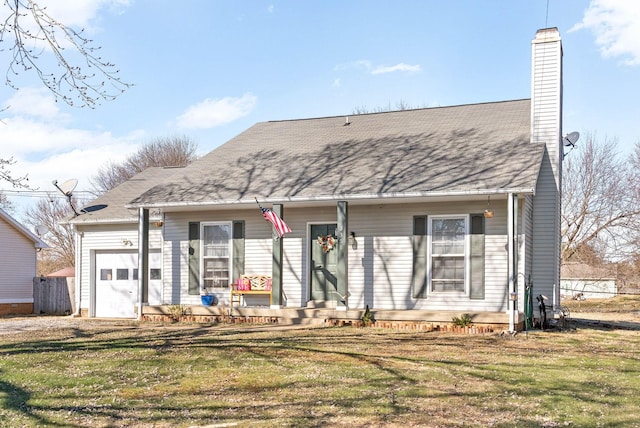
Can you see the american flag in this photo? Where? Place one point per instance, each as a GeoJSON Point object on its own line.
{"type": "Point", "coordinates": [278, 224]}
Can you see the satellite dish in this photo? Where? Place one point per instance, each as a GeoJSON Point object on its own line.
{"type": "Point", "coordinates": [41, 229]}
{"type": "Point", "coordinates": [570, 139]}
{"type": "Point", "coordinates": [68, 186]}
{"type": "Point", "coordinates": [66, 189]}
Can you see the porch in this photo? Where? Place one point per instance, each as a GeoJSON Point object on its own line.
{"type": "Point", "coordinates": [483, 322]}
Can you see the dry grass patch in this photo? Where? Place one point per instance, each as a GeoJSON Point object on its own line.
{"type": "Point", "coordinates": [619, 304]}
{"type": "Point", "coordinates": [153, 375]}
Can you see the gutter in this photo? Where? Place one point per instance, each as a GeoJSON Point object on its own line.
{"type": "Point", "coordinates": [332, 198]}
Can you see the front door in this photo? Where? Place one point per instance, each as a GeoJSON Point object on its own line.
{"type": "Point", "coordinates": [323, 264]}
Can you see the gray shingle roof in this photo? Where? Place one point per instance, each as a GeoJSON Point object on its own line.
{"type": "Point", "coordinates": [434, 151]}
{"type": "Point", "coordinates": [111, 205]}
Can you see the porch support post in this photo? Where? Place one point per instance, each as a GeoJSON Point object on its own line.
{"type": "Point", "coordinates": [342, 269]}
{"type": "Point", "coordinates": [143, 259]}
{"type": "Point", "coordinates": [512, 204]}
{"type": "Point", "coordinates": [277, 267]}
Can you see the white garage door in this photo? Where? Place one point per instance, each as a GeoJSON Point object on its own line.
{"type": "Point", "coordinates": [117, 283]}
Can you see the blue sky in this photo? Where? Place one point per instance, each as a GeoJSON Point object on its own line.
{"type": "Point", "coordinates": [210, 69]}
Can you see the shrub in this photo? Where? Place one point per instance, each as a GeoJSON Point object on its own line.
{"type": "Point", "coordinates": [463, 321]}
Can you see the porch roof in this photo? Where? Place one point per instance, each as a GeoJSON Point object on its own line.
{"type": "Point", "coordinates": [445, 151]}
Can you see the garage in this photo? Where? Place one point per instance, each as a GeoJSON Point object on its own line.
{"type": "Point", "coordinates": [116, 283]}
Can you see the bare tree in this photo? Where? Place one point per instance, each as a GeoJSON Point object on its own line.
{"type": "Point", "coordinates": [400, 105]}
{"type": "Point", "coordinates": [5, 203]}
{"type": "Point", "coordinates": [51, 213]}
{"type": "Point", "coordinates": [6, 175]}
{"type": "Point", "coordinates": [32, 35]}
{"type": "Point", "coordinates": [162, 151]}
{"type": "Point", "coordinates": [600, 203]}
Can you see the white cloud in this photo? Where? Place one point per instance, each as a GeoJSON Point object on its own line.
{"type": "Point", "coordinates": [214, 112]}
{"type": "Point", "coordinates": [50, 153]}
{"type": "Point", "coordinates": [616, 25]}
{"type": "Point", "coordinates": [81, 13]}
{"type": "Point", "coordinates": [38, 137]}
{"type": "Point", "coordinates": [336, 83]}
{"type": "Point", "coordinates": [378, 69]}
{"type": "Point", "coordinates": [31, 138]}
{"type": "Point", "coordinates": [270, 8]}
{"type": "Point", "coordinates": [398, 67]}
{"type": "Point", "coordinates": [34, 102]}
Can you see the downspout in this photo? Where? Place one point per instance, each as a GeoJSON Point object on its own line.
{"type": "Point", "coordinates": [512, 291]}
{"type": "Point", "coordinates": [143, 259]}
{"type": "Point", "coordinates": [78, 269]}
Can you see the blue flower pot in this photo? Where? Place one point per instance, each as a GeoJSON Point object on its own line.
{"type": "Point", "coordinates": [207, 300]}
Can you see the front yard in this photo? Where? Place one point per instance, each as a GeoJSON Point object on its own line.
{"type": "Point", "coordinates": [123, 374]}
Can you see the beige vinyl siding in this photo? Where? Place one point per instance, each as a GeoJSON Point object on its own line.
{"type": "Point", "coordinates": [112, 238]}
{"type": "Point", "coordinates": [258, 250]}
{"type": "Point", "coordinates": [526, 247]}
{"type": "Point", "coordinates": [545, 256]}
{"type": "Point", "coordinates": [17, 265]}
{"type": "Point", "coordinates": [546, 127]}
{"type": "Point", "coordinates": [379, 266]}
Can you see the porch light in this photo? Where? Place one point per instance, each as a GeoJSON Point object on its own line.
{"type": "Point", "coordinates": [488, 213]}
{"type": "Point", "coordinates": [352, 240]}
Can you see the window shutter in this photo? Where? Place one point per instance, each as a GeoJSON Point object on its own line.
{"type": "Point", "coordinates": [477, 256]}
{"type": "Point", "coordinates": [238, 249]}
{"type": "Point", "coordinates": [419, 272]}
{"type": "Point", "coordinates": [194, 258]}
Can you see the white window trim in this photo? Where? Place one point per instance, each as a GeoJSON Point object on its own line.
{"type": "Point", "coordinates": [467, 259]}
{"type": "Point", "coordinates": [201, 261]}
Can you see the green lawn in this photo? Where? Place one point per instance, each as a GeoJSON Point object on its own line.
{"type": "Point", "coordinates": [177, 375]}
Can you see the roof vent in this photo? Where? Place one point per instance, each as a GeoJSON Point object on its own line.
{"type": "Point", "coordinates": [346, 121]}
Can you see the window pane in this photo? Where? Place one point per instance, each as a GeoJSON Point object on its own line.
{"type": "Point", "coordinates": [451, 268]}
{"type": "Point", "coordinates": [216, 240]}
{"type": "Point", "coordinates": [122, 274]}
{"type": "Point", "coordinates": [106, 275]}
{"type": "Point", "coordinates": [155, 274]}
{"type": "Point", "coordinates": [216, 255]}
{"type": "Point", "coordinates": [448, 254]}
{"type": "Point", "coordinates": [447, 236]}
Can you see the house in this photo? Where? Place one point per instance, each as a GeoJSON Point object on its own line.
{"type": "Point", "coordinates": [443, 211]}
{"type": "Point", "coordinates": [581, 281]}
{"type": "Point", "coordinates": [18, 265]}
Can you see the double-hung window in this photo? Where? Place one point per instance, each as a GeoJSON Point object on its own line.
{"type": "Point", "coordinates": [448, 253]}
{"type": "Point", "coordinates": [216, 253]}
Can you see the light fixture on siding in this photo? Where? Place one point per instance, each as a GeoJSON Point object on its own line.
{"type": "Point", "coordinates": [488, 213]}
{"type": "Point", "coordinates": [352, 240]}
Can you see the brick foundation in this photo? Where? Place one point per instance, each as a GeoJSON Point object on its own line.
{"type": "Point", "coordinates": [16, 308]}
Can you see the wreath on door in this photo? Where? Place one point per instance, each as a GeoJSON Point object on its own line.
{"type": "Point", "coordinates": [327, 242]}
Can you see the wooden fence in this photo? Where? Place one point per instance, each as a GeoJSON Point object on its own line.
{"type": "Point", "coordinates": [54, 296]}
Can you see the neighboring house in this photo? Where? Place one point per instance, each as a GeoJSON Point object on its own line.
{"type": "Point", "coordinates": [404, 192]}
{"type": "Point", "coordinates": [18, 265]}
{"type": "Point", "coordinates": [581, 281]}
